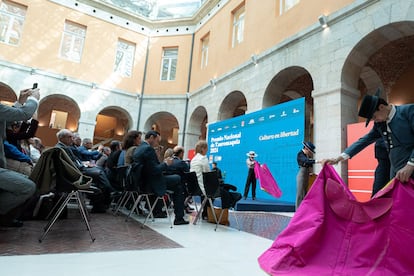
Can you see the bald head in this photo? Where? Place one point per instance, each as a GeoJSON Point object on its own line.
{"type": "Point", "coordinates": [179, 151]}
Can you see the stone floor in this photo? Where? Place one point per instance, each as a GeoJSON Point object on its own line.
{"type": "Point", "coordinates": [125, 247]}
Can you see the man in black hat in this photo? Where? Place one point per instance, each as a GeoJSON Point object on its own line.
{"type": "Point", "coordinates": [395, 124]}
{"type": "Point", "coordinates": [305, 162]}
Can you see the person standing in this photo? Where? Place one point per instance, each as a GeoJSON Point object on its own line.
{"type": "Point", "coordinates": [305, 163]}
{"type": "Point", "coordinates": [218, 171]}
{"type": "Point", "coordinates": [395, 124]}
{"type": "Point", "coordinates": [382, 171]}
{"type": "Point", "coordinates": [251, 177]}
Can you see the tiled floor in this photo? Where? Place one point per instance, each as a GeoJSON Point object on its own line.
{"type": "Point", "coordinates": [124, 248]}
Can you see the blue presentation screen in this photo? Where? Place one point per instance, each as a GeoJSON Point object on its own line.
{"type": "Point", "coordinates": [275, 134]}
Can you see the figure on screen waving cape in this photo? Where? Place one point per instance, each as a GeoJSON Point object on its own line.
{"type": "Point", "coordinates": [266, 180]}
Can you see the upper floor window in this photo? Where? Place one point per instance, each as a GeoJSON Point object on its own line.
{"type": "Point", "coordinates": [72, 41]}
{"type": "Point", "coordinates": [12, 17]}
{"type": "Point", "coordinates": [204, 50]}
{"type": "Point", "coordinates": [124, 60]}
{"type": "Point", "coordinates": [238, 25]}
{"type": "Point", "coordinates": [169, 64]}
{"type": "Point", "coordinates": [286, 5]}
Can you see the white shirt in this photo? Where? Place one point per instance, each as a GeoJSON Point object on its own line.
{"type": "Point", "coordinates": [34, 153]}
{"type": "Point", "coordinates": [199, 164]}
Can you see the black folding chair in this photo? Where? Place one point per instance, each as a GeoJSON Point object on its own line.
{"type": "Point", "coordinates": [137, 191]}
{"type": "Point", "coordinates": [193, 189]}
{"type": "Point", "coordinates": [121, 173]}
{"type": "Point", "coordinates": [70, 183]}
{"type": "Point", "coordinates": [212, 187]}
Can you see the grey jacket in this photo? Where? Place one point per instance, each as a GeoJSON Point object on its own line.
{"type": "Point", "coordinates": [15, 113]}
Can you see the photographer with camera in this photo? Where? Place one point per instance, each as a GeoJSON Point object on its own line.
{"type": "Point", "coordinates": [15, 188]}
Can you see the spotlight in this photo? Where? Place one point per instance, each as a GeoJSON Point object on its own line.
{"type": "Point", "coordinates": [323, 20]}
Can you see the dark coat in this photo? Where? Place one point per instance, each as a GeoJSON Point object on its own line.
{"type": "Point", "coordinates": [54, 165]}
{"type": "Point", "coordinates": [152, 170]}
{"type": "Point", "coordinates": [399, 137]}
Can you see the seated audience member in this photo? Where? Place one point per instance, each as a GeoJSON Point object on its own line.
{"type": "Point", "coordinates": [101, 162]}
{"type": "Point", "coordinates": [131, 141]}
{"type": "Point", "coordinates": [86, 153]}
{"type": "Point", "coordinates": [15, 188]}
{"type": "Point", "coordinates": [159, 150]}
{"type": "Point", "coordinates": [199, 164]}
{"type": "Point", "coordinates": [76, 143]}
{"type": "Point", "coordinates": [180, 167]}
{"type": "Point", "coordinates": [112, 164]}
{"type": "Point", "coordinates": [168, 153]}
{"type": "Point", "coordinates": [100, 179]}
{"type": "Point", "coordinates": [21, 130]}
{"type": "Point", "coordinates": [153, 174]}
{"type": "Point", "coordinates": [35, 148]}
{"type": "Point", "coordinates": [16, 160]}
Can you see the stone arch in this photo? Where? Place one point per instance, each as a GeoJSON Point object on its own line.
{"type": "Point", "coordinates": [382, 59]}
{"type": "Point", "coordinates": [197, 124]}
{"type": "Point", "coordinates": [233, 105]}
{"type": "Point", "coordinates": [167, 125]}
{"type": "Point", "coordinates": [61, 103]}
{"type": "Point", "coordinates": [7, 94]}
{"type": "Point", "coordinates": [112, 122]}
{"type": "Point", "coordinates": [289, 84]}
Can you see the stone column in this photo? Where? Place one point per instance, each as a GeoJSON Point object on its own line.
{"type": "Point", "coordinates": [333, 111]}
{"type": "Point", "coordinates": [86, 128]}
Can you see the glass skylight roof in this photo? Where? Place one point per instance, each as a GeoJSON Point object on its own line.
{"type": "Point", "coordinates": [159, 9]}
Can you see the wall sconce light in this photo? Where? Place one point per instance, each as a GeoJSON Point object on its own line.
{"type": "Point", "coordinates": [32, 71]}
{"type": "Point", "coordinates": [323, 20]}
{"type": "Point", "coordinates": [138, 97]}
{"type": "Point", "coordinates": [93, 85]}
{"type": "Point", "coordinates": [213, 82]}
{"type": "Point", "coordinates": [254, 59]}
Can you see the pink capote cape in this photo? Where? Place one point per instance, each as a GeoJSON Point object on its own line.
{"type": "Point", "coordinates": [266, 180]}
{"type": "Point", "coordinates": [333, 234]}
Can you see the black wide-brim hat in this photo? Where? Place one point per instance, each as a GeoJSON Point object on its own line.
{"type": "Point", "coordinates": [309, 146]}
{"type": "Point", "coordinates": [368, 106]}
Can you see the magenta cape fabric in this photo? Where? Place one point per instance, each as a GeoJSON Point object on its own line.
{"type": "Point", "coordinates": [266, 180]}
{"type": "Point", "coordinates": [332, 234]}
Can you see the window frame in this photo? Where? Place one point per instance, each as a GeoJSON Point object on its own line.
{"type": "Point", "coordinates": [284, 7]}
{"type": "Point", "coordinates": [76, 40]}
{"type": "Point", "coordinates": [169, 62]}
{"type": "Point", "coordinates": [238, 18]}
{"type": "Point", "coordinates": [124, 58]}
{"type": "Point", "coordinates": [205, 43]}
{"type": "Point", "coordinates": [14, 22]}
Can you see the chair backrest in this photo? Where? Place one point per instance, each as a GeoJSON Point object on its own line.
{"type": "Point", "coordinates": [134, 179]}
{"type": "Point", "coordinates": [191, 181]}
{"type": "Point", "coordinates": [56, 171]}
{"type": "Point", "coordinates": [120, 179]}
{"type": "Point", "coordinates": [211, 184]}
